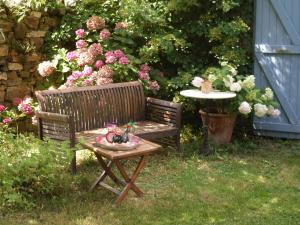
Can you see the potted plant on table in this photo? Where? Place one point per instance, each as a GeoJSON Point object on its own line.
{"type": "Point", "coordinates": [222, 114]}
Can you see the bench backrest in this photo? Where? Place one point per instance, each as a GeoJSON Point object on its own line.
{"type": "Point", "coordinates": [92, 107]}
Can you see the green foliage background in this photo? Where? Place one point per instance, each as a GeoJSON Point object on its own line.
{"type": "Point", "coordinates": [181, 38]}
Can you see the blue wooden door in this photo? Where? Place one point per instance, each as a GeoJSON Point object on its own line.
{"type": "Point", "coordinates": [277, 64]}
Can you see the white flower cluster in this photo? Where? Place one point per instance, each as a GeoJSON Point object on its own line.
{"type": "Point", "coordinates": [233, 71]}
{"type": "Point", "coordinates": [236, 87]}
{"type": "Point", "coordinates": [248, 83]}
{"type": "Point", "coordinates": [228, 80]}
{"type": "Point", "coordinates": [70, 3]}
{"type": "Point", "coordinates": [197, 82]}
{"type": "Point", "coordinates": [260, 110]}
{"type": "Point", "coordinates": [269, 95]}
{"type": "Point", "coordinates": [245, 108]}
{"type": "Point", "coordinates": [212, 78]}
{"type": "Point", "coordinates": [13, 3]}
{"type": "Point", "coordinates": [245, 89]}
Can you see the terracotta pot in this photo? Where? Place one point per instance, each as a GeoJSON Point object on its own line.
{"type": "Point", "coordinates": [206, 87]}
{"type": "Point", "coordinates": [220, 126]}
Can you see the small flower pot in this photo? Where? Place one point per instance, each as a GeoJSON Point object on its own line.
{"type": "Point", "coordinates": [220, 126]}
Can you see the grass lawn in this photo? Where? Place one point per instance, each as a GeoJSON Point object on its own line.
{"type": "Point", "coordinates": [250, 182]}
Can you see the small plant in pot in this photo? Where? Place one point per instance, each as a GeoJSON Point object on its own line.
{"type": "Point", "coordinates": [249, 99]}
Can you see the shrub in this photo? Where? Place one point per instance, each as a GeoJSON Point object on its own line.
{"type": "Point", "coordinates": [30, 169]}
{"type": "Point", "coordinates": [179, 39]}
{"type": "Point", "coordinates": [248, 97]}
{"type": "Point", "coordinates": [97, 59]}
{"type": "Point", "coordinates": [21, 109]}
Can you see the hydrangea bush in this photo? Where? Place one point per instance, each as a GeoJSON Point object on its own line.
{"type": "Point", "coordinates": [249, 98]}
{"type": "Point", "coordinates": [95, 61]}
{"type": "Point", "coordinates": [21, 109]}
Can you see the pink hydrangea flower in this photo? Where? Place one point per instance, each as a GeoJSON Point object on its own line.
{"type": "Point", "coordinates": [85, 58]}
{"type": "Point", "coordinates": [88, 82]}
{"type": "Point", "coordinates": [80, 33]}
{"type": "Point", "coordinates": [105, 72]}
{"type": "Point", "coordinates": [77, 74]}
{"type": "Point", "coordinates": [145, 68]}
{"type": "Point", "coordinates": [104, 34]}
{"type": "Point", "coordinates": [154, 86]}
{"type": "Point", "coordinates": [144, 75]}
{"type": "Point", "coordinates": [25, 108]}
{"type": "Point", "coordinates": [103, 80]}
{"type": "Point", "coordinates": [27, 100]}
{"type": "Point", "coordinates": [119, 53]}
{"type": "Point", "coordinates": [123, 60]}
{"type": "Point", "coordinates": [17, 101]}
{"type": "Point", "coordinates": [121, 25]}
{"type": "Point", "coordinates": [69, 83]}
{"type": "Point", "coordinates": [110, 57]}
{"type": "Point", "coordinates": [73, 78]}
{"type": "Point", "coordinates": [6, 120]}
{"type": "Point", "coordinates": [99, 64]}
{"type": "Point", "coordinates": [95, 49]}
{"type": "Point", "coordinates": [71, 56]}
{"type": "Point", "coordinates": [81, 44]}
{"type": "Point", "coordinates": [81, 50]}
{"type": "Point", "coordinates": [2, 108]}
{"type": "Point", "coordinates": [95, 23]}
{"type": "Point", "coordinates": [87, 70]}
{"type": "Point", "coordinates": [45, 68]}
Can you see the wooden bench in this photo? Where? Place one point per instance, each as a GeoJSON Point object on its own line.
{"type": "Point", "coordinates": [67, 114]}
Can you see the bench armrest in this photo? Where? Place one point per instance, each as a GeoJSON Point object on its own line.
{"type": "Point", "coordinates": [56, 126]}
{"type": "Point", "coordinates": [162, 111]}
{"type": "Point", "coordinates": [52, 116]}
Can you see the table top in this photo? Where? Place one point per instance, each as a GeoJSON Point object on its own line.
{"type": "Point", "coordinates": [196, 93]}
{"type": "Point", "coordinates": [87, 140]}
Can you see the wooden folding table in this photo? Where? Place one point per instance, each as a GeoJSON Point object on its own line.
{"type": "Point", "coordinates": [114, 158]}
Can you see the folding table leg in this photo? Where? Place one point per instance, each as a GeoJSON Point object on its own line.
{"type": "Point", "coordinates": [102, 176]}
{"type": "Point", "coordinates": [130, 181]}
{"type": "Point", "coordinates": [107, 172]}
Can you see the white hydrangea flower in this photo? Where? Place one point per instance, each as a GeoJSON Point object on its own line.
{"type": "Point", "coordinates": [233, 71]}
{"type": "Point", "coordinates": [12, 3]}
{"type": "Point", "coordinates": [197, 82]}
{"type": "Point", "coordinates": [70, 3]}
{"type": "Point", "coordinates": [236, 87]}
{"type": "Point", "coordinates": [260, 110]}
{"type": "Point", "coordinates": [224, 63]}
{"type": "Point", "coordinates": [249, 82]}
{"type": "Point", "coordinates": [245, 108]}
{"type": "Point", "coordinates": [269, 95]}
{"type": "Point", "coordinates": [45, 68]}
{"type": "Point", "coordinates": [212, 77]}
{"type": "Point", "coordinates": [276, 113]}
{"type": "Point", "coordinates": [228, 80]}
{"type": "Point", "coordinates": [270, 110]}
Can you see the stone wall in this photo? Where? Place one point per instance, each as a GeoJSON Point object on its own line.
{"type": "Point", "coordinates": [20, 52]}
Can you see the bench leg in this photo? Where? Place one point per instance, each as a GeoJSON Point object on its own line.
{"type": "Point", "coordinates": [73, 164]}
{"type": "Point", "coordinates": [178, 143]}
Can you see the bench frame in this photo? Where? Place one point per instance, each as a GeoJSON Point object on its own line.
{"type": "Point", "coordinates": [56, 118]}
